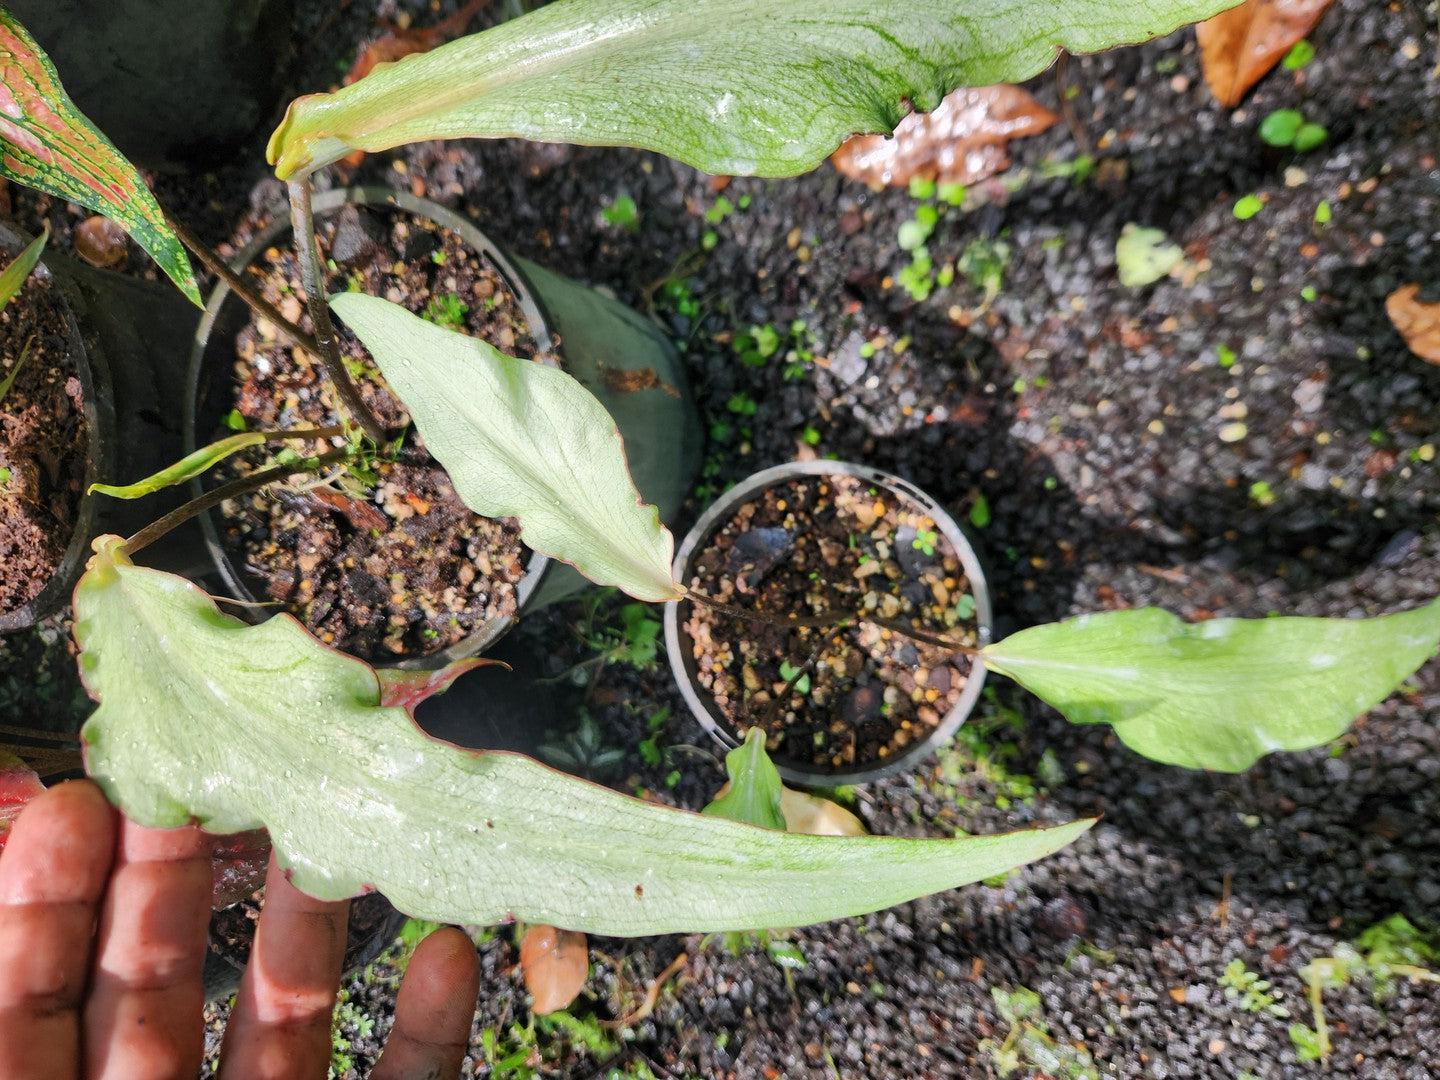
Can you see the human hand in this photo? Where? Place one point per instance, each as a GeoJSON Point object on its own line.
{"type": "Point", "coordinates": [103, 933]}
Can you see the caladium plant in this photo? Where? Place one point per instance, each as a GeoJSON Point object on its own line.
{"type": "Point", "coordinates": [201, 717]}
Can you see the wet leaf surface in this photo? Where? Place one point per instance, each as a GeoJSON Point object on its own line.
{"type": "Point", "coordinates": [961, 142]}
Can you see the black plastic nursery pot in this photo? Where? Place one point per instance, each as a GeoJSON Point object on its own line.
{"type": "Point", "coordinates": [127, 338]}
{"type": "Point", "coordinates": [679, 644]}
{"type": "Point", "coordinates": [174, 83]}
{"type": "Point", "coordinates": [595, 336]}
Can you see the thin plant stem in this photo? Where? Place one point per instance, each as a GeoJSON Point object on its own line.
{"type": "Point", "coordinates": [212, 261]}
{"type": "Point", "coordinates": [234, 489]}
{"type": "Point", "coordinates": [302, 219]}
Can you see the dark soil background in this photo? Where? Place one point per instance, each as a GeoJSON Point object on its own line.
{"type": "Point", "coordinates": [1089, 416]}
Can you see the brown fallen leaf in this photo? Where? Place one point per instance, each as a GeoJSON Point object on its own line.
{"type": "Point", "coordinates": [555, 963]}
{"type": "Point", "coordinates": [961, 142]}
{"type": "Point", "coordinates": [1417, 321]}
{"type": "Point", "coordinates": [1238, 47]}
{"type": "Point", "coordinates": [629, 380]}
{"type": "Point", "coordinates": [396, 44]}
{"type": "Point", "coordinates": [360, 514]}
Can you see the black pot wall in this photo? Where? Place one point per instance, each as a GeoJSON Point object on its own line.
{"type": "Point", "coordinates": [173, 83]}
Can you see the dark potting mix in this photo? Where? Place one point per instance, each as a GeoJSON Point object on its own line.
{"type": "Point", "coordinates": [831, 697]}
{"type": "Point", "coordinates": [43, 441]}
{"type": "Point", "coordinates": [392, 565]}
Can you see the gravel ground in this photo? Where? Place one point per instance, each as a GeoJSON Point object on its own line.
{"type": "Point", "coordinates": [1089, 416]}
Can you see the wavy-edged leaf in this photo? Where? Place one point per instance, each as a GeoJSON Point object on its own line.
{"type": "Point", "coordinates": [12, 279]}
{"type": "Point", "coordinates": [753, 793]}
{"type": "Point", "coordinates": [187, 468]}
{"type": "Point", "coordinates": [203, 718]}
{"type": "Point", "coordinates": [762, 87]}
{"type": "Point", "coordinates": [46, 143]}
{"type": "Point", "coordinates": [1218, 694]}
{"type": "Point", "coordinates": [524, 440]}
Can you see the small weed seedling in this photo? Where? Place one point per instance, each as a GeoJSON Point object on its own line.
{"type": "Point", "coordinates": [1248, 990]}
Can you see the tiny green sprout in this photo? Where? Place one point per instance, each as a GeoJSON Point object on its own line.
{"type": "Point", "coordinates": [912, 235]}
{"type": "Point", "coordinates": [744, 202]}
{"type": "Point", "coordinates": [1281, 127]}
{"type": "Point", "coordinates": [922, 187]}
{"type": "Point", "coordinates": [1252, 993]}
{"type": "Point", "coordinates": [952, 194]}
{"type": "Point", "coordinates": [447, 310]}
{"type": "Point", "coordinates": [1167, 65]}
{"type": "Point", "coordinates": [1247, 206]}
{"type": "Point", "coordinates": [709, 240]}
{"type": "Point", "coordinates": [741, 404]}
{"type": "Point", "coordinates": [789, 671]}
{"type": "Point", "coordinates": [811, 435]}
{"type": "Point", "coordinates": [980, 512]}
{"type": "Point", "coordinates": [924, 541]}
{"type": "Point", "coordinates": [1261, 493]}
{"type": "Point", "coordinates": [867, 350]}
{"type": "Point", "coordinates": [672, 778]}
{"type": "Point", "coordinates": [1300, 54]}
{"type": "Point", "coordinates": [1310, 137]}
{"type": "Point", "coordinates": [785, 954]}
{"type": "Point", "coordinates": [1019, 386]}
{"type": "Point", "coordinates": [622, 213]}
{"type": "Point", "coordinates": [235, 420]}
{"type": "Point", "coordinates": [965, 607]}
{"type": "Point", "coordinates": [1051, 483]}
{"type": "Point", "coordinates": [946, 276]}
{"type": "Point", "coordinates": [1323, 212]}
{"type": "Point", "coordinates": [438, 257]}
{"type": "Point", "coordinates": [719, 211]}
{"type": "Point", "coordinates": [1309, 294]}
{"type": "Point", "coordinates": [5, 475]}
{"type": "Point", "coordinates": [1225, 356]}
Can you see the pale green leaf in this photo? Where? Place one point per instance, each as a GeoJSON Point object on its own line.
{"type": "Point", "coordinates": [12, 279]}
{"type": "Point", "coordinates": [1144, 256]}
{"type": "Point", "coordinates": [203, 718]}
{"type": "Point", "coordinates": [188, 467]}
{"type": "Point", "coordinates": [762, 87]}
{"type": "Point", "coordinates": [521, 439]}
{"type": "Point", "coordinates": [753, 794]}
{"type": "Point", "coordinates": [1218, 694]}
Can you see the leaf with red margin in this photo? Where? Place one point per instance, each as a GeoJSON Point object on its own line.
{"type": "Point", "coordinates": [204, 718]}
{"type": "Point", "coordinates": [407, 689]}
{"type": "Point", "coordinates": [18, 785]}
{"type": "Point", "coordinates": [46, 143]}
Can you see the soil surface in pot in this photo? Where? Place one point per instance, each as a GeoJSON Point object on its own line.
{"type": "Point", "coordinates": [398, 567]}
{"type": "Point", "coordinates": [43, 442]}
{"type": "Point", "coordinates": [831, 698]}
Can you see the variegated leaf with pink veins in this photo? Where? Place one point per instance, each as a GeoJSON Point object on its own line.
{"type": "Point", "coordinates": [46, 143]}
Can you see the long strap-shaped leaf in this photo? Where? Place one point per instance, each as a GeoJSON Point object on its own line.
{"type": "Point", "coordinates": [14, 275]}
{"type": "Point", "coordinates": [764, 87]}
{"type": "Point", "coordinates": [203, 718]}
{"type": "Point", "coordinates": [1218, 694]}
{"type": "Point", "coordinates": [47, 143]}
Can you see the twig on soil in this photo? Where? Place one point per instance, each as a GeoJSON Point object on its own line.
{"type": "Point", "coordinates": [302, 219]}
{"type": "Point", "coordinates": [1222, 909]}
{"type": "Point", "coordinates": [652, 996]}
{"type": "Point", "coordinates": [1067, 107]}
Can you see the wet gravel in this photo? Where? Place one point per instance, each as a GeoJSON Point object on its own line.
{"type": "Point", "coordinates": [1089, 416]}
